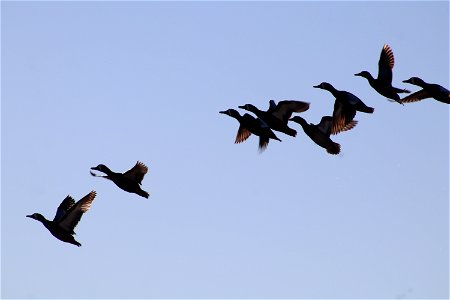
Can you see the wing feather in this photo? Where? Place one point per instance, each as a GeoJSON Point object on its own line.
{"type": "Point", "coordinates": [65, 205]}
{"type": "Point", "coordinates": [325, 125]}
{"type": "Point", "coordinates": [242, 134]}
{"type": "Point", "coordinates": [342, 116]}
{"type": "Point", "coordinates": [385, 65]}
{"type": "Point", "coordinates": [137, 172]}
{"type": "Point", "coordinates": [71, 218]}
{"type": "Point", "coordinates": [417, 96]}
{"type": "Point", "coordinates": [285, 108]}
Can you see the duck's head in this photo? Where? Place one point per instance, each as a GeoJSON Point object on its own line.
{"type": "Point", "coordinates": [249, 107]}
{"type": "Point", "coordinates": [299, 120]}
{"type": "Point", "coordinates": [231, 112]}
{"type": "Point", "coordinates": [101, 168]}
{"type": "Point", "coordinates": [415, 81]}
{"type": "Point", "coordinates": [324, 86]}
{"type": "Point", "coordinates": [36, 216]}
{"type": "Point", "coordinates": [364, 74]}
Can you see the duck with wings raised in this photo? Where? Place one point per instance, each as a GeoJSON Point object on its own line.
{"type": "Point", "coordinates": [383, 83]}
{"type": "Point", "coordinates": [130, 181]}
{"type": "Point", "coordinates": [277, 116]}
{"type": "Point", "coordinates": [67, 217]}
{"type": "Point", "coordinates": [248, 125]}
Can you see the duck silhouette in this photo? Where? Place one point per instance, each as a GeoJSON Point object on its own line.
{"type": "Point", "coordinates": [345, 107]}
{"type": "Point", "coordinates": [130, 181]}
{"type": "Point", "coordinates": [383, 83]}
{"type": "Point", "coordinates": [277, 116]}
{"type": "Point", "coordinates": [429, 90]}
{"type": "Point", "coordinates": [320, 133]}
{"type": "Point", "coordinates": [248, 125]}
{"type": "Point", "coordinates": [67, 217]}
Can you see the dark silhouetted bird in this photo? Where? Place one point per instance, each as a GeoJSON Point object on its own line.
{"type": "Point", "coordinates": [277, 115]}
{"type": "Point", "coordinates": [383, 83]}
{"type": "Point", "coordinates": [429, 90]}
{"type": "Point", "coordinates": [345, 107]}
{"type": "Point", "coordinates": [320, 133]}
{"type": "Point", "coordinates": [67, 217]}
{"type": "Point", "coordinates": [129, 181]}
{"type": "Point", "coordinates": [249, 125]}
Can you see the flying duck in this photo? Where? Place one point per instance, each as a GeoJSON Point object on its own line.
{"type": "Point", "coordinates": [67, 217]}
{"type": "Point", "coordinates": [277, 116]}
{"type": "Point", "coordinates": [383, 83]}
{"type": "Point", "coordinates": [428, 90]}
{"type": "Point", "coordinates": [129, 181]}
{"type": "Point", "coordinates": [345, 107]}
{"type": "Point", "coordinates": [320, 133]}
{"type": "Point", "coordinates": [249, 125]}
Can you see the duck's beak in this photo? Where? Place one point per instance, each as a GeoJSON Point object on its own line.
{"type": "Point", "coordinates": [317, 86]}
{"type": "Point", "coordinates": [358, 74]}
{"type": "Point", "coordinates": [220, 112]}
{"type": "Point", "coordinates": [241, 106]}
{"type": "Point", "coordinates": [30, 216]}
{"type": "Point", "coordinates": [407, 81]}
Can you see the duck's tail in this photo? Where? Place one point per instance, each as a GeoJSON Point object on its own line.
{"type": "Point", "coordinates": [291, 132]}
{"type": "Point", "coordinates": [74, 242]}
{"type": "Point", "coordinates": [334, 149]}
{"type": "Point", "coordinates": [368, 110]}
{"type": "Point", "coordinates": [263, 143]}
{"type": "Point", "coordinates": [143, 194]}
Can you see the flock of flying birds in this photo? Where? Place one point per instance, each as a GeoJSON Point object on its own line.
{"type": "Point", "coordinates": [346, 105]}
{"type": "Point", "coordinates": [69, 213]}
{"type": "Point", "coordinates": [276, 118]}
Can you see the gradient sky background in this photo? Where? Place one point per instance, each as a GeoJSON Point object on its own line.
{"type": "Point", "coordinates": [85, 83]}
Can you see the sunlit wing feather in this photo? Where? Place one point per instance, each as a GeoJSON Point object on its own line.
{"type": "Point", "coordinates": [342, 116]}
{"type": "Point", "coordinates": [417, 96]}
{"type": "Point", "coordinates": [349, 126]}
{"type": "Point", "coordinates": [65, 205]}
{"type": "Point", "coordinates": [242, 134]}
{"type": "Point", "coordinates": [70, 220]}
{"type": "Point", "coordinates": [137, 172]}
{"type": "Point", "coordinates": [385, 65]}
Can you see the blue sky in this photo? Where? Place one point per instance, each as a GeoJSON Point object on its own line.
{"type": "Point", "coordinates": [85, 83]}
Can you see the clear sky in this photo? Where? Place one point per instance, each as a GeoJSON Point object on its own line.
{"type": "Point", "coordinates": [85, 83]}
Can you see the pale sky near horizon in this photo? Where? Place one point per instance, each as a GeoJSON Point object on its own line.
{"type": "Point", "coordinates": [85, 83]}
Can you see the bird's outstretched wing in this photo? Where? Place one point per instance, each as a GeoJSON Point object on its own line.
{"type": "Point", "coordinates": [342, 116]}
{"type": "Point", "coordinates": [137, 172]}
{"type": "Point", "coordinates": [285, 108]}
{"type": "Point", "coordinates": [65, 205]}
{"type": "Point", "coordinates": [325, 125]}
{"type": "Point", "coordinates": [242, 134]}
{"type": "Point", "coordinates": [414, 97]}
{"type": "Point", "coordinates": [71, 218]}
{"type": "Point", "coordinates": [385, 65]}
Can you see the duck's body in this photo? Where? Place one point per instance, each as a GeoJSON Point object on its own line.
{"type": "Point", "coordinates": [345, 107]}
{"type": "Point", "coordinates": [67, 217]}
{"type": "Point", "coordinates": [277, 116]}
{"type": "Point", "coordinates": [383, 83]}
{"type": "Point", "coordinates": [429, 90]}
{"type": "Point", "coordinates": [320, 133]}
{"type": "Point", "coordinates": [129, 181]}
{"type": "Point", "coordinates": [249, 125]}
